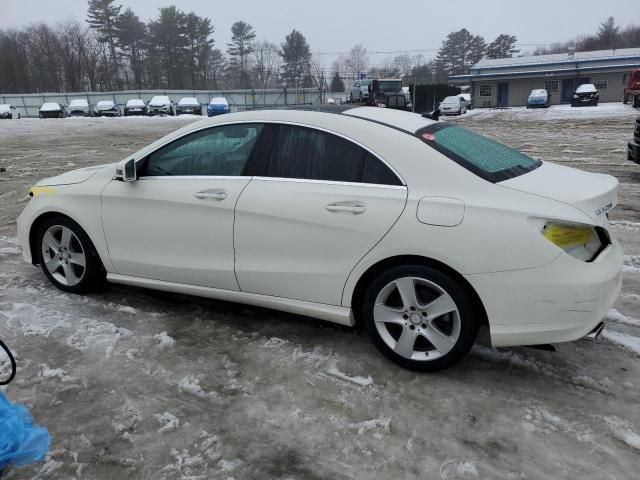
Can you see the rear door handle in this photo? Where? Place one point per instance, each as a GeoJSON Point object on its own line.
{"type": "Point", "coordinates": [355, 208]}
{"type": "Point", "coordinates": [211, 194]}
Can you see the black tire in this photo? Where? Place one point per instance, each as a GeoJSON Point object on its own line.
{"type": "Point", "coordinates": [93, 277]}
{"type": "Point", "coordinates": [467, 316]}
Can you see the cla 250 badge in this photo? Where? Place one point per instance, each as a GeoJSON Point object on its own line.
{"type": "Point", "coordinates": [606, 208]}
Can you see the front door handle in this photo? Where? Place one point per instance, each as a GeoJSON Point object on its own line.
{"type": "Point", "coordinates": [211, 194]}
{"type": "Point", "coordinates": [355, 208]}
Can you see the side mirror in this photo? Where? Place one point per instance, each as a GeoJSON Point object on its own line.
{"type": "Point", "coordinates": [126, 170]}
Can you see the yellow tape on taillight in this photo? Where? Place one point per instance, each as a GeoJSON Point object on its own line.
{"type": "Point", "coordinates": [566, 237]}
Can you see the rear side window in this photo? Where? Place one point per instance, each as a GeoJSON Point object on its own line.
{"type": "Point", "coordinates": [481, 155]}
{"type": "Point", "coordinates": [305, 153]}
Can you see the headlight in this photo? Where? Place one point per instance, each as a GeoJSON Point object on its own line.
{"type": "Point", "coordinates": [582, 242]}
{"type": "Point", "coordinates": [576, 96]}
{"type": "Point", "coordinates": [382, 105]}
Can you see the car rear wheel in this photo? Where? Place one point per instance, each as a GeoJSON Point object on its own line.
{"type": "Point", "coordinates": [419, 317]}
{"type": "Point", "coordinates": [67, 256]}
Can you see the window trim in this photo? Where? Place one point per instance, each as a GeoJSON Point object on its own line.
{"type": "Point", "coordinates": [144, 158]}
{"type": "Point", "coordinates": [490, 85]}
{"type": "Point", "coordinates": [330, 182]}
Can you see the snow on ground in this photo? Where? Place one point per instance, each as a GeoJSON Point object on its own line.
{"type": "Point", "coordinates": [138, 384]}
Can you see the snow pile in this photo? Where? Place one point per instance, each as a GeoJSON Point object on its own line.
{"type": "Point", "coordinates": [169, 422]}
{"type": "Point", "coordinates": [46, 372]}
{"type": "Point", "coordinates": [631, 264]}
{"type": "Point", "coordinates": [459, 469]}
{"type": "Point", "coordinates": [191, 385]}
{"type": "Point", "coordinates": [98, 336]}
{"type": "Point", "coordinates": [615, 316]}
{"type": "Point", "coordinates": [164, 340]}
{"type": "Point", "coordinates": [128, 419]}
{"type": "Point", "coordinates": [9, 246]}
{"type": "Point", "coordinates": [627, 341]}
{"type": "Point", "coordinates": [622, 430]}
{"type": "Point", "coordinates": [377, 425]}
{"type": "Point", "coordinates": [33, 320]}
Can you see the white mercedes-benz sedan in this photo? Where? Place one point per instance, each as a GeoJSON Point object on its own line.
{"type": "Point", "coordinates": [422, 232]}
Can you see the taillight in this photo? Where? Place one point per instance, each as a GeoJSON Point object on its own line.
{"type": "Point", "coordinates": [583, 242]}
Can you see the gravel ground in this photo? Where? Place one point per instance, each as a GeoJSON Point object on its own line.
{"type": "Point", "coordinates": [137, 384]}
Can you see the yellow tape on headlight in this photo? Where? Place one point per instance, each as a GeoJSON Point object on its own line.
{"type": "Point", "coordinates": [37, 191]}
{"type": "Point", "coordinates": [566, 237]}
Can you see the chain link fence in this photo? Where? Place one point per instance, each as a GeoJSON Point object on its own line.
{"type": "Point", "coordinates": [29, 104]}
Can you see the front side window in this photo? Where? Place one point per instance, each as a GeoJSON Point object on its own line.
{"type": "Point", "coordinates": [485, 89]}
{"type": "Point", "coordinates": [552, 86]}
{"type": "Point", "coordinates": [481, 155]}
{"type": "Point", "coordinates": [305, 153]}
{"type": "Point", "coordinates": [218, 151]}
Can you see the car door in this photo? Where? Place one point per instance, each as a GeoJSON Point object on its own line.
{"type": "Point", "coordinates": [319, 205]}
{"type": "Point", "coordinates": [175, 222]}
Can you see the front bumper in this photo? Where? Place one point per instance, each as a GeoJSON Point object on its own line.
{"type": "Point", "coordinates": [559, 302]}
{"type": "Point", "coordinates": [634, 151]}
{"type": "Point", "coordinates": [135, 111]}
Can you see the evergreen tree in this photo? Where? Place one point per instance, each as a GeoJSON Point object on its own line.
{"type": "Point", "coordinates": [198, 31]}
{"type": "Point", "coordinates": [504, 46]}
{"type": "Point", "coordinates": [130, 35]}
{"type": "Point", "coordinates": [460, 51]}
{"type": "Point", "coordinates": [169, 41]}
{"type": "Point", "coordinates": [296, 56]}
{"type": "Point", "coordinates": [216, 66]}
{"type": "Point", "coordinates": [102, 15]}
{"type": "Point", "coordinates": [242, 36]}
{"type": "Point", "coordinates": [608, 34]}
{"type": "Point", "coordinates": [337, 85]}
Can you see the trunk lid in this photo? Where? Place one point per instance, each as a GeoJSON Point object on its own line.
{"type": "Point", "coordinates": [593, 193]}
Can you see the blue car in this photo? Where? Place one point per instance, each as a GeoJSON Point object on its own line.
{"type": "Point", "coordinates": [538, 98]}
{"type": "Point", "coordinates": [218, 106]}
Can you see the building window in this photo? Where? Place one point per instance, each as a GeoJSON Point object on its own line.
{"type": "Point", "coordinates": [552, 86]}
{"type": "Point", "coordinates": [601, 83]}
{"type": "Point", "coordinates": [485, 89]}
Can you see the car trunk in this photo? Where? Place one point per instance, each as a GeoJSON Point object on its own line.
{"type": "Point", "coordinates": [593, 193]}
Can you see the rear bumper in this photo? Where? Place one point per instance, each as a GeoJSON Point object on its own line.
{"type": "Point", "coordinates": [634, 151]}
{"type": "Point", "coordinates": [559, 302]}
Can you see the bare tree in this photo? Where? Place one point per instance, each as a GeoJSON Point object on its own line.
{"type": "Point", "coordinates": [267, 61]}
{"type": "Point", "coordinates": [358, 60]}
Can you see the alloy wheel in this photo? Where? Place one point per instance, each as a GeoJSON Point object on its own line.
{"type": "Point", "coordinates": [416, 318]}
{"type": "Point", "coordinates": [63, 255]}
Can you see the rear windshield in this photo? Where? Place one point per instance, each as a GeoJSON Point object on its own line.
{"type": "Point", "coordinates": [481, 155]}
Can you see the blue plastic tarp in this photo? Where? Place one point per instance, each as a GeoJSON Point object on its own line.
{"type": "Point", "coordinates": [21, 442]}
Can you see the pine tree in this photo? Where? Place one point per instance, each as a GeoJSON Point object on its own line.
{"type": "Point", "coordinates": [130, 35]}
{"type": "Point", "coordinates": [460, 51]}
{"type": "Point", "coordinates": [337, 85]}
{"type": "Point", "coordinates": [504, 46]}
{"type": "Point", "coordinates": [296, 56]}
{"type": "Point", "coordinates": [242, 35]}
{"type": "Point", "coordinates": [102, 15]}
{"type": "Point", "coordinates": [608, 34]}
{"type": "Point", "coordinates": [169, 41]}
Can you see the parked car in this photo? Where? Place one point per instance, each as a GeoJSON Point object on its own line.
{"type": "Point", "coordinates": [585, 95]}
{"type": "Point", "coordinates": [218, 106]}
{"type": "Point", "coordinates": [51, 110]}
{"type": "Point", "coordinates": [107, 108]}
{"type": "Point", "coordinates": [467, 100]}
{"type": "Point", "coordinates": [135, 106]}
{"type": "Point", "coordinates": [538, 98]}
{"type": "Point", "coordinates": [388, 93]}
{"type": "Point", "coordinates": [421, 231]}
{"type": "Point", "coordinates": [634, 144]}
{"type": "Point", "coordinates": [360, 91]}
{"type": "Point", "coordinates": [189, 105]}
{"type": "Point", "coordinates": [8, 111]}
{"type": "Point", "coordinates": [160, 105]}
{"type": "Point", "coordinates": [79, 107]}
{"type": "Point", "coordinates": [453, 105]}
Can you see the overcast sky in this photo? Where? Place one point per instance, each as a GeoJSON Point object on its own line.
{"type": "Point", "coordinates": [380, 25]}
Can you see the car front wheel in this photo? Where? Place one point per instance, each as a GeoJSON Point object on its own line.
{"type": "Point", "coordinates": [67, 256]}
{"type": "Point", "coordinates": [419, 317]}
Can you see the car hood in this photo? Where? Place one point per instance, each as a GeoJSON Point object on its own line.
{"type": "Point", "coordinates": [72, 177]}
{"type": "Point", "coordinates": [592, 193]}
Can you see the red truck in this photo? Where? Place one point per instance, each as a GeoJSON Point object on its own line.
{"type": "Point", "coordinates": [632, 90]}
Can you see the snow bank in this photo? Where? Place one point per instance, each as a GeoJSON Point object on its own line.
{"type": "Point", "coordinates": [627, 341]}
{"type": "Point", "coordinates": [615, 316]}
{"type": "Point", "coordinates": [623, 431]}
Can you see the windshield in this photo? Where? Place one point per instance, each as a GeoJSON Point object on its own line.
{"type": "Point", "coordinates": [78, 103]}
{"type": "Point", "coordinates": [4, 108]}
{"type": "Point", "coordinates": [160, 99]}
{"type": "Point", "coordinates": [481, 155]}
{"type": "Point", "coordinates": [188, 101]}
{"type": "Point", "coordinates": [136, 102]}
{"type": "Point", "coordinates": [105, 104]}
{"type": "Point", "coordinates": [586, 88]}
{"type": "Point", "coordinates": [390, 87]}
